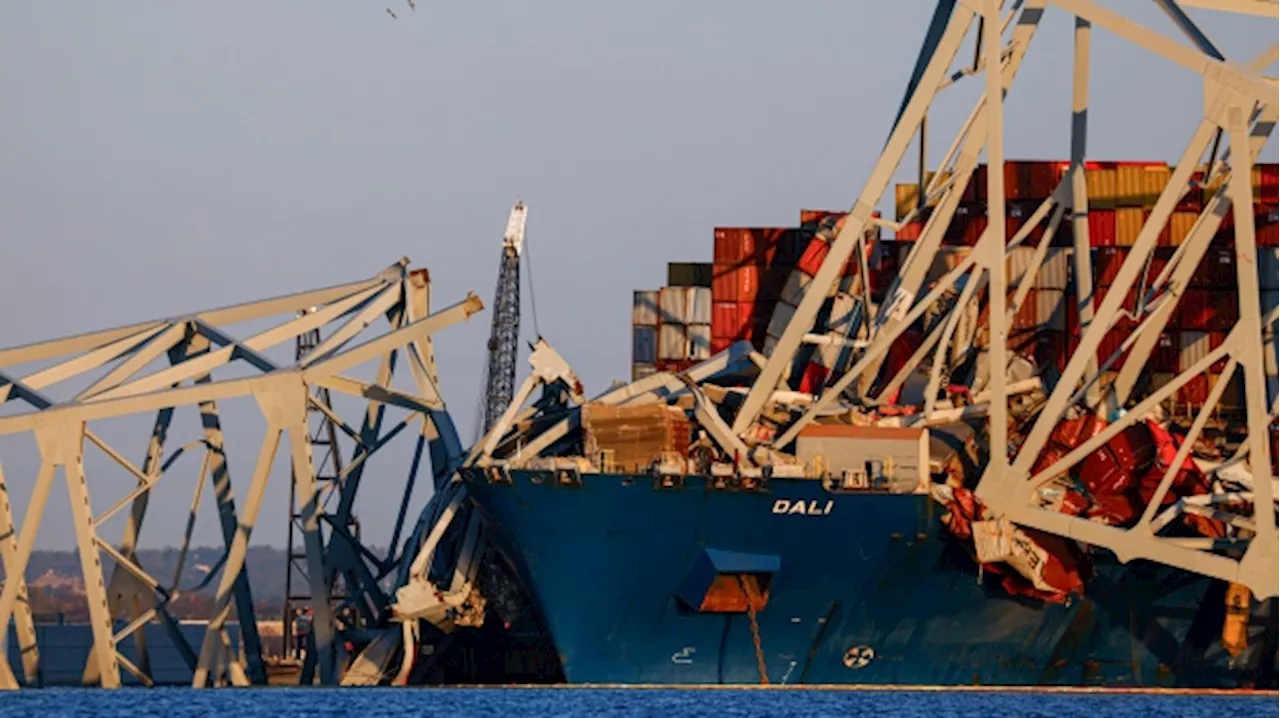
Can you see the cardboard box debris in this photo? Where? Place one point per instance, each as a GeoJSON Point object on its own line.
{"type": "Point", "coordinates": [634, 436]}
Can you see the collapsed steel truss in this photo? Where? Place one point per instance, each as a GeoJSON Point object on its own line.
{"type": "Point", "coordinates": [1240, 105]}
{"type": "Point", "coordinates": [197, 345]}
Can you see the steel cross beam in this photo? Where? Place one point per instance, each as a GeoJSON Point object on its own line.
{"type": "Point", "coordinates": [281, 392]}
{"type": "Point", "coordinates": [1231, 98]}
{"type": "Point", "coordinates": [855, 222]}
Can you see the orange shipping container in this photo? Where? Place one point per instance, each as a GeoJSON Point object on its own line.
{"type": "Point", "coordinates": [1180, 224]}
{"type": "Point", "coordinates": [1100, 178]}
{"type": "Point", "coordinates": [1139, 184]}
{"type": "Point", "coordinates": [1128, 225]}
{"type": "Point", "coordinates": [1154, 179]}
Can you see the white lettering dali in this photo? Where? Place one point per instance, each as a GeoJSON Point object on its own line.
{"type": "Point", "coordinates": [802, 507]}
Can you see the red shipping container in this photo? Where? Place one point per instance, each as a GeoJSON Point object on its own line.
{"type": "Point", "coordinates": [724, 320]}
{"type": "Point", "coordinates": [1159, 260]}
{"type": "Point", "coordinates": [814, 255]}
{"type": "Point", "coordinates": [735, 284]}
{"type": "Point", "coordinates": [1025, 319]}
{"type": "Point", "coordinates": [1106, 264]}
{"type": "Point", "coordinates": [1164, 355]}
{"type": "Point", "coordinates": [1195, 310]}
{"type": "Point", "coordinates": [1112, 341]}
{"type": "Point", "coordinates": [910, 231]}
{"type": "Point", "coordinates": [1165, 238]}
{"type": "Point", "coordinates": [1217, 339]}
{"type": "Point", "coordinates": [1195, 391]}
{"type": "Point", "coordinates": [722, 283]}
{"type": "Point", "coordinates": [976, 191]}
{"type": "Point", "coordinates": [736, 321]}
{"type": "Point", "coordinates": [737, 245]}
{"type": "Point", "coordinates": [1270, 182]}
{"type": "Point", "coordinates": [1217, 270]}
{"type": "Point", "coordinates": [1267, 223]}
{"type": "Point", "coordinates": [1030, 179]}
{"type": "Point", "coordinates": [965, 229]}
{"type": "Point", "coordinates": [1102, 227]}
{"type": "Point", "coordinates": [813, 379]}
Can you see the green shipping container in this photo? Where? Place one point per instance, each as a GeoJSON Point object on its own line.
{"type": "Point", "coordinates": [688, 274]}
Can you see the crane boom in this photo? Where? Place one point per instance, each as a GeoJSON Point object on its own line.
{"type": "Point", "coordinates": [500, 377]}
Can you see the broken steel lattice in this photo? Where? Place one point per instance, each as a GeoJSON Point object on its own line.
{"type": "Point", "coordinates": [1239, 105]}
{"type": "Point", "coordinates": [197, 345]}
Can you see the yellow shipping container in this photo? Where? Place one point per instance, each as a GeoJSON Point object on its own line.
{"type": "Point", "coordinates": [1180, 224]}
{"type": "Point", "coordinates": [1154, 179]}
{"type": "Point", "coordinates": [1128, 225]}
{"type": "Point", "coordinates": [1140, 185]}
{"type": "Point", "coordinates": [1101, 183]}
{"type": "Point", "coordinates": [906, 197]}
{"type": "Point", "coordinates": [1129, 185]}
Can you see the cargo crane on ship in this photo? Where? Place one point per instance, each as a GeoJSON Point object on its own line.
{"type": "Point", "coordinates": [504, 335]}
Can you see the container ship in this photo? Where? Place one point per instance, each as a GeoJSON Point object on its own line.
{"type": "Point", "coordinates": [654, 556]}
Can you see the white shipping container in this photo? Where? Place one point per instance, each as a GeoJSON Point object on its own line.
{"type": "Point", "coordinates": [782, 313]}
{"type": "Point", "coordinates": [699, 341]}
{"type": "Point", "coordinates": [698, 305]}
{"type": "Point", "coordinates": [1051, 309]}
{"type": "Point", "coordinates": [1193, 347]}
{"type": "Point", "coordinates": [1055, 270]}
{"type": "Point", "coordinates": [644, 345]}
{"type": "Point", "coordinates": [672, 304]}
{"type": "Point", "coordinates": [1269, 268]}
{"type": "Point", "coordinates": [673, 342]}
{"type": "Point", "coordinates": [644, 308]}
{"type": "Point", "coordinates": [1016, 264]}
{"type": "Point", "coordinates": [640, 371]}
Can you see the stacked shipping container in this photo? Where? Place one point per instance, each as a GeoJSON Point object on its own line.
{"type": "Point", "coordinates": [753, 279]}
{"type": "Point", "coordinates": [749, 273]}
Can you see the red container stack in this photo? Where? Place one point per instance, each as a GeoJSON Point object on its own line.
{"type": "Point", "coordinates": [750, 268]}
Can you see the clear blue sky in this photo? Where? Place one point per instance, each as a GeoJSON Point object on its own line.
{"type": "Point", "coordinates": [163, 157]}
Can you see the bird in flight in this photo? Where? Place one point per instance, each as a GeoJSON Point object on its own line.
{"type": "Point", "coordinates": [393, 15]}
{"type": "Point", "coordinates": [412, 6]}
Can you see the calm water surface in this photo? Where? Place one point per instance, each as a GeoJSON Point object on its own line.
{"type": "Point", "coordinates": [280, 702]}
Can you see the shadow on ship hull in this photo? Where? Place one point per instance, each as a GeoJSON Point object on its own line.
{"type": "Point", "coordinates": [862, 588]}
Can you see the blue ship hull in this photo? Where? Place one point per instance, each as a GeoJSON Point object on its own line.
{"type": "Point", "coordinates": [866, 589]}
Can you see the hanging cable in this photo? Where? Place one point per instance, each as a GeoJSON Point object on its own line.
{"type": "Point", "coordinates": [533, 304]}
